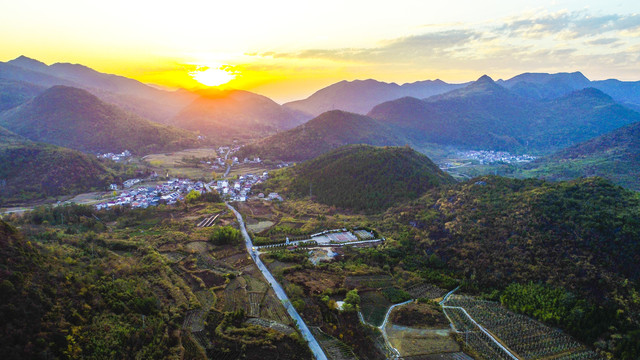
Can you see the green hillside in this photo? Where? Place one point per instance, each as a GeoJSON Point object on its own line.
{"type": "Point", "coordinates": [486, 116]}
{"type": "Point", "coordinates": [362, 177]}
{"type": "Point", "coordinates": [579, 238]}
{"type": "Point", "coordinates": [615, 156]}
{"type": "Point", "coordinates": [33, 171]}
{"type": "Point", "coordinates": [322, 134]}
{"type": "Point", "coordinates": [74, 118]}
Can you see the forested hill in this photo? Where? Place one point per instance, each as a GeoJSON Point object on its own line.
{"type": "Point", "coordinates": [34, 170]}
{"type": "Point", "coordinates": [615, 156]}
{"type": "Point", "coordinates": [485, 115]}
{"type": "Point", "coordinates": [362, 177]}
{"type": "Point", "coordinates": [328, 131]}
{"type": "Point", "coordinates": [579, 237]}
{"type": "Point", "coordinates": [71, 117]}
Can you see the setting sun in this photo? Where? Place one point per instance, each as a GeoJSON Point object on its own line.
{"type": "Point", "coordinates": [212, 76]}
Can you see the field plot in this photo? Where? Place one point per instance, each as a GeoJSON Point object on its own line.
{"type": "Point", "coordinates": [333, 348]}
{"type": "Point", "coordinates": [528, 338]}
{"type": "Point", "coordinates": [411, 341]}
{"type": "Point", "coordinates": [174, 164]}
{"type": "Point", "coordinates": [425, 290]}
{"type": "Point", "coordinates": [272, 308]}
{"type": "Point", "coordinates": [242, 169]}
{"type": "Point", "coordinates": [446, 356]}
{"type": "Point", "coordinates": [194, 321]}
{"type": "Point", "coordinates": [373, 306]}
{"type": "Point", "coordinates": [369, 281]}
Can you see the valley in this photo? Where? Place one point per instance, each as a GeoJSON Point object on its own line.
{"type": "Point", "coordinates": [429, 220]}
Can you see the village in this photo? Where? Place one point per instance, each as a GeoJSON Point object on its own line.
{"type": "Point", "coordinates": [174, 190]}
{"type": "Point", "coordinates": [491, 157]}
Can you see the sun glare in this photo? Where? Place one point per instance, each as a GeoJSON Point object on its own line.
{"type": "Point", "coordinates": [212, 76]}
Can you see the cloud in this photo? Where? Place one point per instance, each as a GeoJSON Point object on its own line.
{"type": "Point", "coordinates": [562, 41]}
{"type": "Point", "coordinates": [568, 25]}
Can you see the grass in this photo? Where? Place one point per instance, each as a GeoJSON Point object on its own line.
{"type": "Point", "coordinates": [374, 306]}
{"type": "Point", "coordinates": [410, 342]}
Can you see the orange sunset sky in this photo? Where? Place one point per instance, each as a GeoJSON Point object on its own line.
{"type": "Point", "coordinates": [289, 49]}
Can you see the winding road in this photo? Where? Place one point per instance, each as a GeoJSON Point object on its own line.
{"type": "Point", "coordinates": [302, 326]}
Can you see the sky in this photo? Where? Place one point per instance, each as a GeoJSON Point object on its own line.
{"type": "Point", "coordinates": [289, 49]}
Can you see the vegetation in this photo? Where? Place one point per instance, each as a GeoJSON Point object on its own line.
{"type": "Point", "coordinates": [322, 134]}
{"type": "Point", "coordinates": [576, 236]}
{"type": "Point", "coordinates": [225, 235]}
{"type": "Point", "coordinates": [34, 171]}
{"type": "Point", "coordinates": [614, 156]}
{"type": "Point", "coordinates": [362, 177]}
{"type": "Point", "coordinates": [484, 115]}
{"type": "Point", "coordinates": [74, 118]}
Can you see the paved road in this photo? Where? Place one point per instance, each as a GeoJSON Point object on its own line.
{"type": "Point", "coordinates": [304, 330]}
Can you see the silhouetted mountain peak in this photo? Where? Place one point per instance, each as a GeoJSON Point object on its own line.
{"type": "Point", "coordinates": [28, 63]}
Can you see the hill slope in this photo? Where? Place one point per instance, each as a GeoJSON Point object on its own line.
{"type": "Point", "coordinates": [615, 156]}
{"type": "Point", "coordinates": [74, 118]}
{"type": "Point", "coordinates": [359, 96]}
{"type": "Point", "coordinates": [32, 171]}
{"type": "Point", "coordinates": [486, 116]}
{"type": "Point", "coordinates": [363, 177]}
{"type": "Point", "coordinates": [578, 237]}
{"type": "Point", "coordinates": [324, 133]}
{"type": "Point", "coordinates": [235, 113]}
{"type": "Point", "coordinates": [131, 95]}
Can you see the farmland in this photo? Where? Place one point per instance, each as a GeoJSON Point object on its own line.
{"type": "Point", "coordinates": [529, 339]}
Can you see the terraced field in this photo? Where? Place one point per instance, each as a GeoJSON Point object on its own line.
{"type": "Point", "coordinates": [527, 338]}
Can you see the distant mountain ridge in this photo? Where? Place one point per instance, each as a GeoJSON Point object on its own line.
{"type": "Point", "coordinates": [485, 115]}
{"type": "Point", "coordinates": [359, 96]}
{"type": "Point", "coordinates": [74, 118]}
{"type": "Point", "coordinates": [326, 132]}
{"type": "Point", "coordinates": [233, 114]}
{"type": "Point", "coordinates": [132, 95]}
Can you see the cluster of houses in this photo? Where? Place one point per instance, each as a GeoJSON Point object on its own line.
{"type": "Point", "coordinates": [175, 190]}
{"type": "Point", "coordinates": [490, 157]}
{"type": "Point", "coordinates": [239, 189]}
{"type": "Point", "coordinates": [116, 157]}
{"type": "Point", "coordinates": [168, 192]}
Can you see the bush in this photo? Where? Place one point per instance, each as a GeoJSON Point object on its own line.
{"type": "Point", "coordinates": [225, 235]}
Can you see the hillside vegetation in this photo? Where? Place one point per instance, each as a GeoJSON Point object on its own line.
{"type": "Point", "coordinates": [614, 156]}
{"type": "Point", "coordinates": [362, 177]}
{"type": "Point", "coordinates": [484, 115]}
{"type": "Point", "coordinates": [322, 134]}
{"type": "Point", "coordinates": [34, 171]}
{"type": "Point", "coordinates": [578, 239]}
{"type": "Point", "coordinates": [74, 118]}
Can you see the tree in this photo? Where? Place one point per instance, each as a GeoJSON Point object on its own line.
{"type": "Point", "coordinates": [192, 196]}
{"type": "Point", "coordinates": [225, 235]}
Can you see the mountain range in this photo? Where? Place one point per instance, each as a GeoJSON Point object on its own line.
{"type": "Point", "coordinates": [485, 115]}
{"type": "Point", "coordinates": [359, 96]}
{"type": "Point", "coordinates": [240, 114]}
{"type": "Point", "coordinates": [221, 114]}
{"type": "Point", "coordinates": [322, 134]}
{"type": "Point", "coordinates": [74, 118]}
